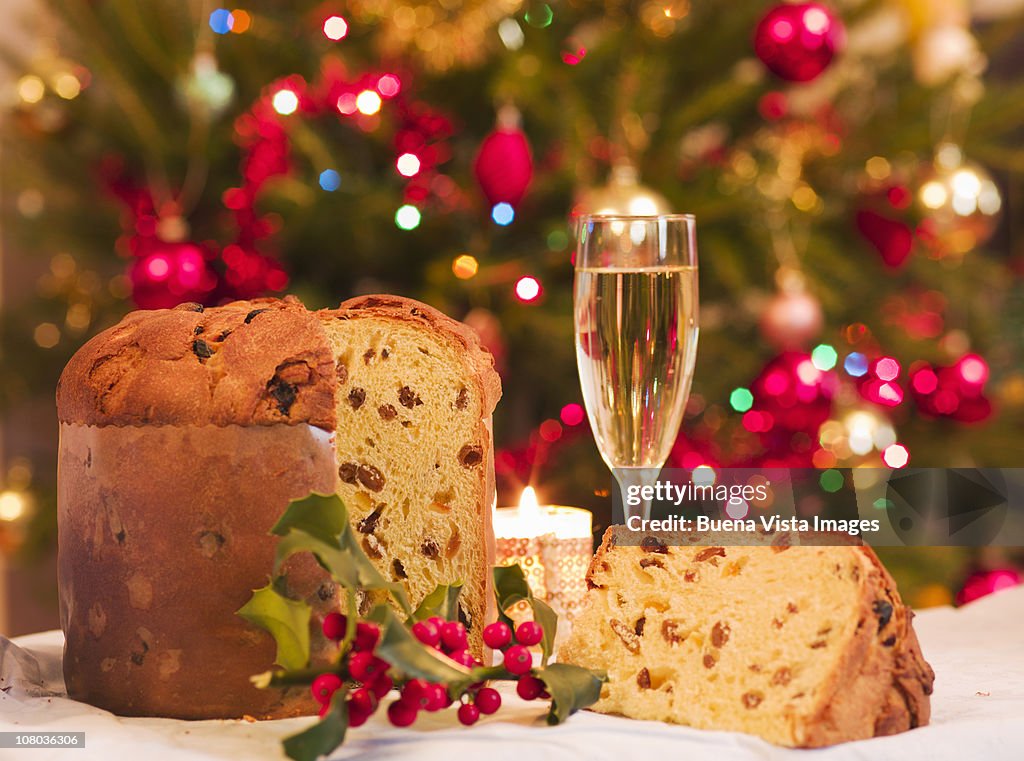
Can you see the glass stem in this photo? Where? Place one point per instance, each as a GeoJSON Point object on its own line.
{"type": "Point", "coordinates": [631, 481]}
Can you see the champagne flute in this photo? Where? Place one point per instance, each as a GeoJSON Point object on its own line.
{"type": "Point", "coordinates": [635, 304]}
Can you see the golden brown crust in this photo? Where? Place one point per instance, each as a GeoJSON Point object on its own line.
{"type": "Point", "coordinates": [257, 362]}
{"type": "Point", "coordinates": [409, 310]}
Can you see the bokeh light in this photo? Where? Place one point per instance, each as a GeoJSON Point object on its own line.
{"type": "Point", "coordinates": [503, 213]}
{"type": "Point", "coordinates": [824, 357]}
{"type": "Point", "coordinates": [527, 289]}
{"type": "Point", "coordinates": [67, 86]}
{"type": "Point", "coordinates": [572, 414]}
{"type": "Point", "coordinates": [335, 28]}
{"type": "Point", "coordinates": [974, 370]}
{"type": "Point", "coordinates": [347, 104]}
{"type": "Point", "coordinates": [887, 369]}
{"type": "Point", "coordinates": [550, 430]}
{"type": "Point", "coordinates": [896, 456]}
{"type": "Point", "coordinates": [242, 21]}
{"type": "Point", "coordinates": [389, 85]}
{"type": "Point", "coordinates": [222, 21]}
{"type": "Point", "coordinates": [407, 217]}
{"type": "Point", "coordinates": [368, 102]}
{"type": "Point", "coordinates": [31, 88]}
{"type": "Point", "coordinates": [285, 102]}
{"type": "Point", "coordinates": [465, 266]}
{"type": "Point", "coordinates": [330, 180]}
{"type": "Point", "coordinates": [741, 399]}
{"type": "Point", "coordinates": [408, 165]}
{"type": "Point", "coordinates": [856, 364]}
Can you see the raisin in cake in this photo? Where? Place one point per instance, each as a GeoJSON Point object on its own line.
{"type": "Point", "coordinates": [185, 433]}
{"type": "Point", "coordinates": [805, 646]}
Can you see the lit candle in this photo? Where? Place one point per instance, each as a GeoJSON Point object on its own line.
{"type": "Point", "coordinates": [552, 543]}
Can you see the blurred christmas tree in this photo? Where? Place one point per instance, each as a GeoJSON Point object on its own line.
{"type": "Point", "coordinates": [858, 275]}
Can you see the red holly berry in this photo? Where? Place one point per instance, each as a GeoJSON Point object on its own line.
{"type": "Point", "coordinates": [488, 700]}
{"type": "Point", "coordinates": [468, 714]}
{"type": "Point", "coordinates": [334, 626]}
{"type": "Point", "coordinates": [367, 636]}
{"type": "Point", "coordinates": [401, 714]}
{"type": "Point", "coordinates": [417, 692]}
{"type": "Point", "coordinates": [365, 666]}
{"type": "Point", "coordinates": [529, 633]}
{"type": "Point", "coordinates": [497, 635]}
{"type": "Point", "coordinates": [361, 705]}
{"type": "Point", "coordinates": [380, 685]}
{"type": "Point", "coordinates": [453, 636]}
{"type": "Point", "coordinates": [324, 687]}
{"type": "Point", "coordinates": [518, 659]}
{"type": "Point", "coordinates": [465, 658]}
{"type": "Point", "coordinates": [427, 633]}
{"type": "Point", "coordinates": [437, 697]}
{"type": "Point", "coordinates": [529, 687]}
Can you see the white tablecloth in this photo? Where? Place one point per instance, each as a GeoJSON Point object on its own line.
{"type": "Point", "coordinates": [977, 713]}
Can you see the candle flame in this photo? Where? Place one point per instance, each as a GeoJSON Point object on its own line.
{"type": "Point", "coordinates": [528, 505]}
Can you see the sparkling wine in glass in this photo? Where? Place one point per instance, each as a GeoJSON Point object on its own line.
{"type": "Point", "coordinates": [635, 307]}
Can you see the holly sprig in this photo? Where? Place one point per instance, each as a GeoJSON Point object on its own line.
{"type": "Point", "coordinates": [420, 652]}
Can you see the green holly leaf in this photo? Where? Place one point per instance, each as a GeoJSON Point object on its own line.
{"type": "Point", "coordinates": [410, 656]}
{"type": "Point", "coordinates": [443, 602]}
{"type": "Point", "coordinates": [572, 688]}
{"type": "Point", "coordinates": [287, 621]}
{"type": "Point", "coordinates": [319, 524]}
{"type": "Point", "coordinates": [324, 736]}
{"type": "Point", "coordinates": [510, 587]}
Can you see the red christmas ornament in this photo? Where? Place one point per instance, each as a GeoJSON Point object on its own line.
{"type": "Point", "coordinates": [797, 42]}
{"type": "Point", "coordinates": [792, 318]}
{"type": "Point", "coordinates": [504, 166]}
{"type": "Point", "coordinates": [892, 238]}
{"type": "Point", "coordinates": [982, 583]}
{"type": "Point", "coordinates": [167, 274]}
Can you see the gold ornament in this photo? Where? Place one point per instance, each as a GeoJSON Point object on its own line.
{"type": "Point", "coordinates": [622, 195]}
{"type": "Point", "coordinates": [960, 201]}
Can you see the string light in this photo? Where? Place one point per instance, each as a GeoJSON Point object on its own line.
{"type": "Point", "coordinates": [335, 28]}
{"type": "Point", "coordinates": [407, 217]}
{"type": "Point", "coordinates": [221, 21]}
{"type": "Point", "coordinates": [527, 289]}
{"type": "Point", "coordinates": [503, 213]}
{"type": "Point", "coordinates": [389, 85]}
{"type": "Point", "coordinates": [408, 165]}
{"type": "Point", "coordinates": [465, 266]}
{"type": "Point", "coordinates": [285, 102]}
{"type": "Point", "coordinates": [368, 102]}
{"type": "Point", "coordinates": [330, 180]}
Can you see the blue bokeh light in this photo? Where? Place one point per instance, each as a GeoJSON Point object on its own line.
{"type": "Point", "coordinates": [503, 213]}
{"type": "Point", "coordinates": [221, 21]}
{"type": "Point", "coordinates": [330, 180]}
{"type": "Point", "coordinates": [856, 364]}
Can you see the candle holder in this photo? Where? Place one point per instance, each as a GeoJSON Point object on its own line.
{"type": "Point", "coordinates": [553, 544]}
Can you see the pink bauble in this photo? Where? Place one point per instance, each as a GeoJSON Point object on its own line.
{"type": "Point", "coordinates": [167, 274]}
{"type": "Point", "coordinates": [504, 167]}
{"type": "Point", "coordinates": [791, 319]}
{"type": "Point", "coordinates": [797, 42]}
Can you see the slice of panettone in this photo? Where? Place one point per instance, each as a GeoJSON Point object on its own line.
{"type": "Point", "coordinates": [804, 646]}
